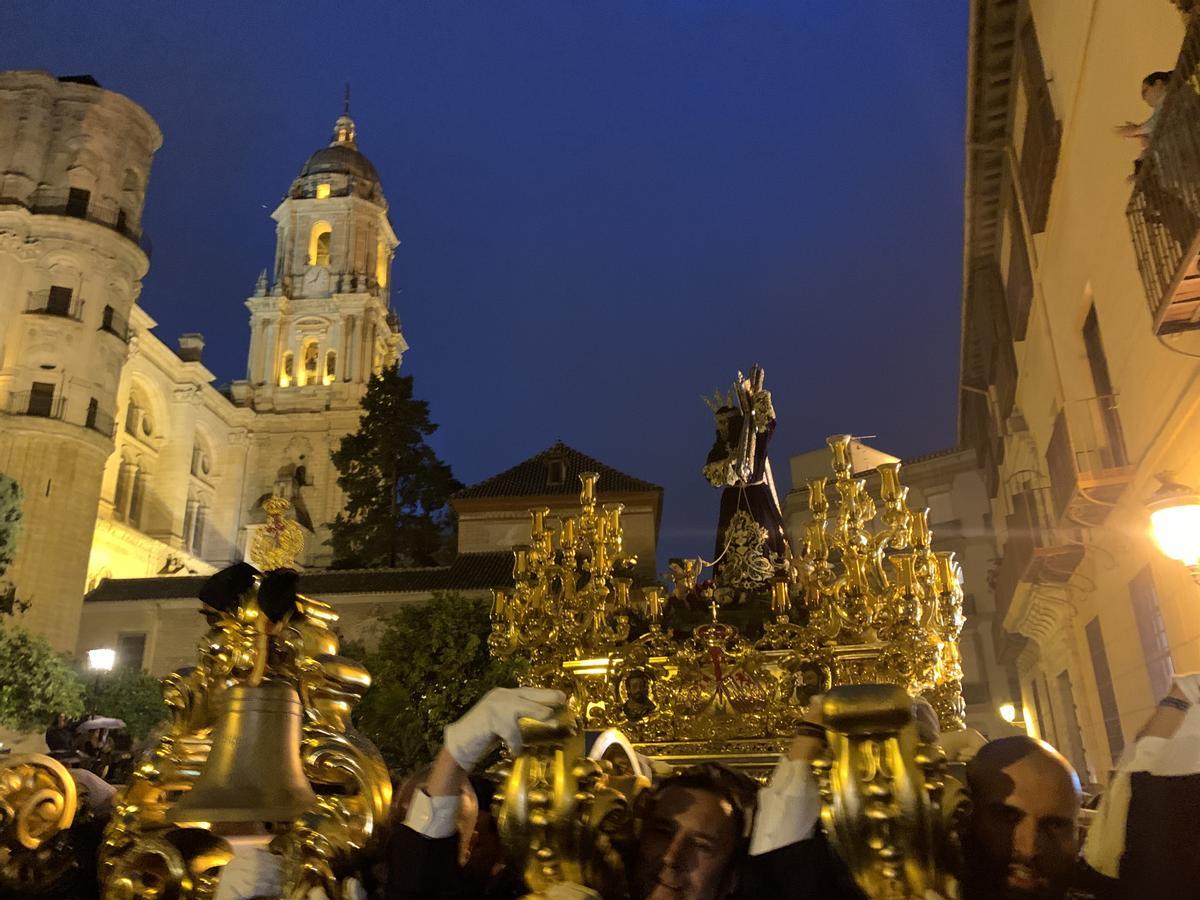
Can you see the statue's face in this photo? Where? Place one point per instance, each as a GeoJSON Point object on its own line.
{"type": "Point", "coordinates": [687, 844]}
{"type": "Point", "coordinates": [1024, 840]}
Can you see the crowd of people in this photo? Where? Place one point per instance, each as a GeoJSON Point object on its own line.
{"type": "Point", "coordinates": [709, 832]}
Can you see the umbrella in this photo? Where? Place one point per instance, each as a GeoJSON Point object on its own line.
{"type": "Point", "coordinates": [97, 723]}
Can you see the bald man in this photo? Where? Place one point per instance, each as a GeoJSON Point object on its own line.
{"type": "Point", "coordinates": [1022, 840]}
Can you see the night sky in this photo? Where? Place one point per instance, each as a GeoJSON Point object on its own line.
{"type": "Point", "coordinates": [605, 209]}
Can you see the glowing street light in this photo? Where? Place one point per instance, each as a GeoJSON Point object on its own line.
{"type": "Point", "coordinates": [102, 659]}
{"type": "Point", "coordinates": [1008, 712]}
{"type": "Point", "coordinates": [1175, 522]}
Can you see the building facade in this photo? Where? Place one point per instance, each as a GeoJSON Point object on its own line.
{"type": "Point", "coordinates": [153, 623]}
{"type": "Point", "coordinates": [131, 461]}
{"type": "Point", "coordinates": [1079, 377]}
{"type": "Point", "coordinates": [950, 485]}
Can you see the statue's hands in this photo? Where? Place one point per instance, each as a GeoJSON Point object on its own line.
{"type": "Point", "coordinates": [494, 720]}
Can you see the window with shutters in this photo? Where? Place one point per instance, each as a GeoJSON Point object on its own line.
{"type": "Point", "coordinates": [1040, 142]}
{"type": "Point", "coordinates": [1153, 633]}
{"type": "Point", "coordinates": [1104, 689]}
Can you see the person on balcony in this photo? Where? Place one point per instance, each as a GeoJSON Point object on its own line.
{"type": "Point", "coordinates": [1154, 92]}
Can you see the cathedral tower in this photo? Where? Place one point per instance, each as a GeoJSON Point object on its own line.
{"type": "Point", "coordinates": [323, 326]}
{"type": "Point", "coordinates": [74, 162]}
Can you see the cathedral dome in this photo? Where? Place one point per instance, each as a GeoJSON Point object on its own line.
{"type": "Point", "coordinates": [342, 156]}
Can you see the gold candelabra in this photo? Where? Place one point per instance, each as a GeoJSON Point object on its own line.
{"type": "Point", "coordinates": [865, 599]}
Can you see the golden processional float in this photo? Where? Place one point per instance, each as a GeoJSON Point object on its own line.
{"type": "Point", "coordinates": [864, 611]}
{"type": "Point", "coordinates": [258, 752]}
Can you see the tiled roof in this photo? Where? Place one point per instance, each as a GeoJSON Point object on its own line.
{"type": "Point", "coordinates": [531, 478]}
{"type": "Point", "coordinates": [470, 571]}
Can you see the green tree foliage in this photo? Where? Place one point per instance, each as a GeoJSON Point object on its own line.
{"type": "Point", "coordinates": [396, 488]}
{"type": "Point", "coordinates": [431, 665]}
{"type": "Point", "coordinates": [10, 530]}
{"type": "Point", "coordinates": [35, 682]}
{"type": "Point", "coordinates": [130, 695]}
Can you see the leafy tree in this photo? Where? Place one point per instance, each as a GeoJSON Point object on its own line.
{"type": "Point", "coordinates": [396, 488]}
{"type": "Point", "coordinates": [431, 665]}
{"type": "Point", "coordinates": [35, 682]}
{"type": "Point", "coordinates": [10, 530]}
{"type": "Point", "coordinates": [130, 695]}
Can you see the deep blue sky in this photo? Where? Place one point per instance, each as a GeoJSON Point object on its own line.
{"type": "Point", "coordinates": [605, 208]}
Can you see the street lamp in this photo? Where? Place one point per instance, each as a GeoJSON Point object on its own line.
{"type": "Point", "coordinates": [1175, 522]}
{"type": "Point", "coordinates": [102, 659]}
{"type": "Point", "coordinates": [1008, 712]}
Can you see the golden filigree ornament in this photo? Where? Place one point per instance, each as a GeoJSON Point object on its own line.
{"type": "Point", "coordinates": [864, 599]}
{"type": "Point", "coordinates": [280, 541]}
{"type": "Point", "coordinates": [259, 733]}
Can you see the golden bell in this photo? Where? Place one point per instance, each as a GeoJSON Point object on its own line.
{"type": "Point", "coordinates": [253, 773]}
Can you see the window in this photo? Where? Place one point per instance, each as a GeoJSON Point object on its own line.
{"type": "Point", "coordinates": [77, 202]}
{"type": "Point", "coordinates": [201, 461]}
{"type": "Point", "coordinates": [93, 408]}
{"type": "Point", "coordinates": [58, 301]}
{"type": "Point", "coordinates": [1018, 286]}
{"type": "Point", "coordinates": [322, 190]}
{"type": "Point", "coordinates": [1104, 688]}
{"type": "Point", "coordinates": [319, 241]}
{"type": "Point", "coordinates": [1153, 632]}
{"type": "Point", "coordinates": [556, 472]}
{"type": "Point", "coordinates": [121, 493]}
{"type": "Point", "coordinates": [106, 318]}
{"type": "Point", "coordinates": [330, 367]}
{"type": "Point", "coordinates": [1043, 133]}
{"type": "Point", "coordinates": [1066, 698]}
{"type": "Point", "coordinates": [137, 497]}
{"type": "Point", "coordinates": [381, 264]}
{"type": "Point", "coordinates": [197, 546]}
{"type": "Point", "coordinates": [131, 650]}
{"type": "Point", "coordinates": [1112, 454]}
{"type": "Point", "coordinates": [41, 399]}
{"type": "Point", "coordinates": [311, 358]}
{"type": "Point", "coordinates": [286, 373]}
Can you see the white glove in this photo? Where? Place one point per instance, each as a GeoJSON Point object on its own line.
{"type": "Point", "coordinates": [1189, 685]}
{"type": "Point", "coordinates": [494, 719]}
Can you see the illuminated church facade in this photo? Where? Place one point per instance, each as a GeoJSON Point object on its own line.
{"type": "Point", "coordinates": [131, 462]}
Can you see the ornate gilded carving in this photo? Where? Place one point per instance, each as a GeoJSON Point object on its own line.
{"type": "Point", "coordinates": [262, 636]}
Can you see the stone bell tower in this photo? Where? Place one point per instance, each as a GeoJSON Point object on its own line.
{"type": "Point", "coordinates": [321, 325]}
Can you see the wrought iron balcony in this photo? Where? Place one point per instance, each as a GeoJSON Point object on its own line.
{"type": "Point", "coordinates": [55, 303]}
{"type": "Point", "coordinates": [1087, 461]}
{"type": "Point", "coordinates": [1164, 211]}
{"type": "Point", "coordinates": [33, 403]}
{"type": "Point", "coordinates": [1035, 551]}
{"type": "Point", "coordinates": [80, 205]}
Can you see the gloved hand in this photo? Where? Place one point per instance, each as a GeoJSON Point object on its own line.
{"type": "Point", "coordinates": [1189, 686]}
{"type": "Point", "coordinates": [494, 719]}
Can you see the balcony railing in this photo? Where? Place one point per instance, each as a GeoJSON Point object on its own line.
{"type": "Point", "coordinates": [1164, 211]}
{"type": "Point", "coordinates": [1035, 551]}
{"type": "Point", "coordinates": [30, 403]}
{"type": "Point", "coordinates": [110, 215]}
{"type": "Point", "coordinates": [51, 303]}
{"type": "Point", "coordinates": [1087, 461]}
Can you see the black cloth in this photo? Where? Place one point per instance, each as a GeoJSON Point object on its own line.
{"type": "Point", "coordinates": [756, 497]}
{"type": "Point", "coordinates": [59, 740]}
{"type": "Point", "coordinates": [421, 868]}
{"type": "Point", "coordinates": [806, 870]}
{"type": "Point", "coordinates": [1162, 838]}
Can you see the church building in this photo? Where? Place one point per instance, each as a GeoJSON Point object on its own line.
{"type": "Point", "coordinates": [140, 477]}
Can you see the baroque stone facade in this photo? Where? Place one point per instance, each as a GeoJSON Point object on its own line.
{"type": "Point", "coordinates": [132, 462]}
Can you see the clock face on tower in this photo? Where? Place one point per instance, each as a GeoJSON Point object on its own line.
{"type": "Point", "coordinates": [316, 280]}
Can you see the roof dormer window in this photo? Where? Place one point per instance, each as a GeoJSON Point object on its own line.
{"type": "Point", "coordinates": [323, 190]}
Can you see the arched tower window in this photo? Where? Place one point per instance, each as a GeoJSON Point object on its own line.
{"type": "Point", "coordinates": [330, 367]}
{"type": "Point", "coordinates": [310, 361]}
{"type": "Point", "coordinates": [381, 264]}
{"type": "Point", "coordinates": [287, 370]}
{"type": "Point", "coordinates": [319, 242]}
